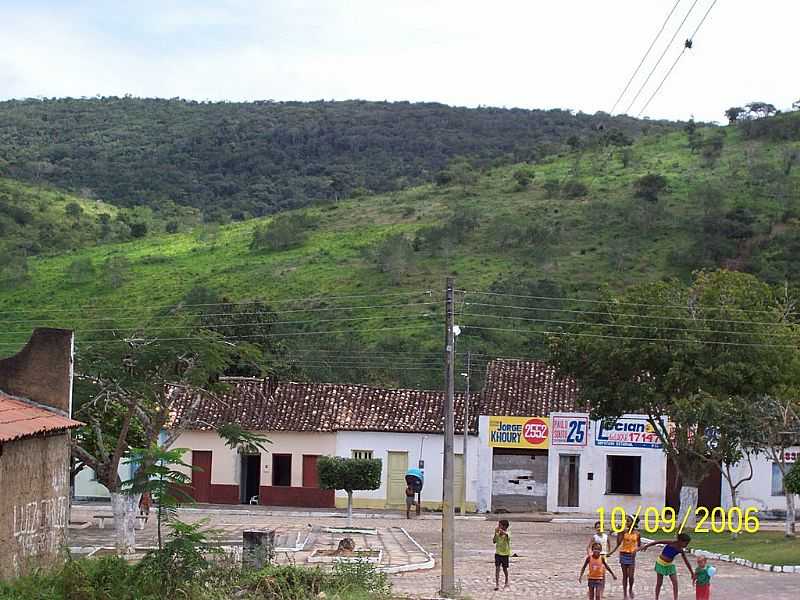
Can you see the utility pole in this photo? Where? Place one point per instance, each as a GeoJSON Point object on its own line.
{"type": "Point", "coordinates": [466, 439]}
{"type": "Point", "coordinates": [448, 587]}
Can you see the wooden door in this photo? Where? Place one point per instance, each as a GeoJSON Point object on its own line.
{"type": "Point", "coordinates": [458, 481]}
{"type": "Point", "coordinates": [396, 479]}
{"type": "Point", "coordinates": [201, 478]}
{"type": "Point", "coordinates": [310, 477]}
{"type": "Point", "coordinates": [568, 479]}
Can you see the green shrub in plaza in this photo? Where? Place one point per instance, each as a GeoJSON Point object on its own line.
{"type": "Point", "coordinates": [349, 474]}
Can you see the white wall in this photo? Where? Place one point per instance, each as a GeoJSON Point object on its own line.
{"type": "Point", "coordinates": [591, 494]}
{"type": "Point", "coordinates": [86, 487]}
{"type": "Point", "coordinates": [593, 459]}
{"type": "Point", "coordinates": [758, 491]}
{"type": "Point", "coordinates": [225, 463]}
{"type": "Point", "coordinates": [381, 443]}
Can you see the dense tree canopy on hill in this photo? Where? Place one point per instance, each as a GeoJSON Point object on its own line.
{"type": "Point", "coordinates": [251, 159]}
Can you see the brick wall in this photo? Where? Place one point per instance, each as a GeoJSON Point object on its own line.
{"type": "Point", "coordinates": [34, 503]}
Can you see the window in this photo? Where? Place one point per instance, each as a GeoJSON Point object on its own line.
{"type": "Point", "coordinates": [623, 475]}
{"type": "Point", "coordinates": [282, 469]}
{"type": "Point", "coordinates": [777, 480]}
{"type": "Point", "coordinates": [367, 454]}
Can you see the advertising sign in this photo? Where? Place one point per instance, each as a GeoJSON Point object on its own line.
{"type": "Point", "coordinates": [629, 432]}
{"type": "Point", "coordinates": [519, 432]}
{"type": "Point", "coordinates": [791, 455]}
{"type": "Point", "coordinates": [569, 431]}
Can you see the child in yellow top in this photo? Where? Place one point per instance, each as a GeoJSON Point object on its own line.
{"type": "Point", "coordinates": [597, 572]}
{"type": "Point", "coordinates": [502, 552]}
{"type": "Point", "coordinates": [628, 543]}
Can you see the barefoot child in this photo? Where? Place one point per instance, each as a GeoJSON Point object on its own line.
{"type": "Point", "coordinates": [599, 537]}
{"type": "Point", "coordinates": [628, 543]}
{"type": "Point", "coordinates": [502, 552]}
{"type": "Point", "coordinates": [597, 572]}
{"type": "Point", "coordinates": [702, 579]}
{"type": "Point", "coordinates": [665, 565]}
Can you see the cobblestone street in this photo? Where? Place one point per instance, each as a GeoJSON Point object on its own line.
{"type": "Point", "coordinates": [549, 557]}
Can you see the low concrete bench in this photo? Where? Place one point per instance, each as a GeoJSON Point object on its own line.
{"type": "Point", "coordinates": [101, 520]}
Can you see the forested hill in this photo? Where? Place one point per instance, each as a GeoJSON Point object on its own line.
{"type": "Point", "coordinates": [236, 160]}
{"type": "Point", "coordinates": [528, 245]}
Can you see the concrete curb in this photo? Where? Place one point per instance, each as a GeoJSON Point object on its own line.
{"type": "Point", "coordinates": [740, 561]}
{"type": "Point", "coordinates": [423, 566]}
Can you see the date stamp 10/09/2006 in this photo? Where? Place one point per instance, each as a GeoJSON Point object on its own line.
{"type": "Point", "coordinates": [665, 520]}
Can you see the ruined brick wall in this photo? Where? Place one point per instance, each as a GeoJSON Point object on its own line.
{"type": "Point", "coordinates": [34, 503]}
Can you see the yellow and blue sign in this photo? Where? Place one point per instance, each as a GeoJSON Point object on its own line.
{"type": "Point", "coordinates": [519, 432]}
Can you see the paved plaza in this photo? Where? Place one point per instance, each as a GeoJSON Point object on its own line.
{"type": "Point", "coordinates": [549, 557]}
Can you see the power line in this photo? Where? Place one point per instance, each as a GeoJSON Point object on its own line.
{"type": "Point", "coordinates": [644, 58]}
{"type": "Point", "coordinates": [229, 314]}
{"type": "Point", "coordinates": [621, 303]}
{"type": "Point", "coordinates": [620, 325]}
{"type": "Point", "coordinates": [178, 304]}
{"type": "Point", "coordinates": [631, 315]}
{"type": "Point", "coordinates": [633, 338]}
{"type": "Point", "coordinates": [677, 59]}
{"type": "Point", "coordinates": [241, 337]}
{"type": "Point", "coordinates": [660, 58]}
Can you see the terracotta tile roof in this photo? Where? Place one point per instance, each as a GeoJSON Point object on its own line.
{"type": "Point", "coordinates": [518, 388]}
{"type": "Point", "coordinates": [264, 405]}
{"type": "Point", "coordinates": [19, 419]}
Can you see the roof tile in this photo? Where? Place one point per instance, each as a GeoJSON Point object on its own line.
{"type": "Point", "coordinates": [19, 419]}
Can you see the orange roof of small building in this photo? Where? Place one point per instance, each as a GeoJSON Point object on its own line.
{"type": "Point", "coordinates": [19, 419]}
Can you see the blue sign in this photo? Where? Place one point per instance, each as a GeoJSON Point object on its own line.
{"type": "Point", "coordinates": [628, 432]}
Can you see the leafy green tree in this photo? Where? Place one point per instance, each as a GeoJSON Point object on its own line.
{"type": "Point", "coordinates": [394, 256]}
{"type": "Point", "coordinates": [349, 474]}
{"type": "Point", "coordinates": [155, 475]}
{"type": "Point", "coordinates": [693, 135]}
{"type": "Point", "coordinates": [760, 110]}
{"type": "Point", "coordinates": [138, 230]}
{"type": "Point", "coordinates": [121, 394]}
{"type": "Point", "coordinates": [13, 268]}
{"type": "Point", "coordinates": [74, 211]}
{"type": "Point", "coordinates": [116, 270]}
{"type": "Point", "coordinates": [683, 352]}
{"type": "Point", "coordinates": [574, 189]}
{"type": "Point", "coordinates": [733, 114]}
{"type": "Point", "coordinates": [649, 187]}
{"type": "Point", "coordinates": [523, 178]}
{"type": "Point", "coordinates": [551, 187]}
{"type": "Point", "coordinates": [81, 270]}
{"type": "Point", "coordinates": [283, 232]}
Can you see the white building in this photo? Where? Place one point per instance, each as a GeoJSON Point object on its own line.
{"type": "Point", "coordinates": [304, 421]}
{"type": "Point", "coordinates": [765, 490]}
{"type": "Point", "coordinates": [537, 453]}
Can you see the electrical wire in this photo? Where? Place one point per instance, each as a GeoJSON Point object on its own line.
{"type": "Point", "coordinates": [660, 58]}
{"type": "Point", "coordinates": [674, 64]}
{"type": "Point", "coordinates": [644, 58]}
{"type": "Point", "coordinates": [633, 338]}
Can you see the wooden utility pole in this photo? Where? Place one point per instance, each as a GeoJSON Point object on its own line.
{"type": "Point", "coordinates": [448, 587]}
{"type": "Point", "coordinates": [465, 485]}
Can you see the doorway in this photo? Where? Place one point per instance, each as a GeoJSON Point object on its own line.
{"type": "Point", "coordinates": [458, 481]}
{"type": "Point", "coordinates": [201, 475]}
{"type": "Point", "coordinates": [396, 479]}
{"type": "Point", "coordinates": [251, 478]}
{"type": "Point", "coordinates": [282, 470]}
{"type": "Point", "coordinates": [310, 477]}
{"type": "Point", "coordinates": [568, 479]}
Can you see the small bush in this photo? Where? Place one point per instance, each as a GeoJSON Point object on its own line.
{"type": "Point", "coordinates": [285, 231]}
{"type": "Point", "coordinates": [575, 189]}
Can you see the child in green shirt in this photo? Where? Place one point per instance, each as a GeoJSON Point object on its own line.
{"type": "Point", "coordinates": [702, 579]}
{"type": "Point", "coordinates": [502, 552]}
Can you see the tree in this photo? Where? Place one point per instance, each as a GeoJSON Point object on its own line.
{"type": "Point", "coordinates": [283, 232]}
{"type": "Point", "coordinates": [81, 270]}
{"type": "Point", "coordinates": [139, 229]}
{"type": "Point", "coordinates": [394, 255]}
{"type": "Point", "coordinates": [780, 428]}
{"type": "Point", "coordinates": [760, 110]}
{"type": "Point", "coordinates": [156, 476]}
{"type": "Point", "coordinates": [692, 134]}
{"type": "Point", "coordinates": [796, 105]}
{"type": "Point", "coordinates": [74, 211]}
{"type": "Point", "coordinates": [684, 352]}
{"type": "Point", "coordinates": [349, 474]}
{"type": "Point", "coordinates": [523, 177]}
{"type": "Point", "coordinates": [121, 393]}
{"type": "Point", "coordinates": [733, 114]}
{"type": "Point", "coordinates": [650, 186]}
{"type": "Point", "coordinates": [116, 270]}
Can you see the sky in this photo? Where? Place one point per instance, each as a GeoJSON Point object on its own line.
{"type": "Point", "coordinates": [574, 54]}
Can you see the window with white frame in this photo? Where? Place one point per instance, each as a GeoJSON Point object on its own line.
{"type": "Point", "coordinates": [777, 480]}
{"type": "Point", "coordinates": [362, 454]}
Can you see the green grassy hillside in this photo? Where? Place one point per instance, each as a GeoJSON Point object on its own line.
{"type": "Point", "coordinates": [563, 227]}
{"type": "Point", "coordinates": [234, 160]}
